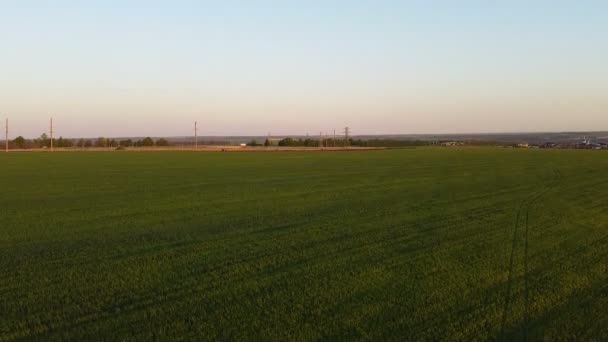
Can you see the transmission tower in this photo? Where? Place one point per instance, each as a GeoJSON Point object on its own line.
{"type": "Point", "coordinates": [346, 135]}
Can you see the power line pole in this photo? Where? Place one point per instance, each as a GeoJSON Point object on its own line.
{"type": "Point", "coordinates": [51, 134]}
{"type": "Point", "coordinates": [6, 136]}
{"type": "Point", "coordinates": [195, 135]}
{"type": "Point", "coordinates": [334, 138]}
{"type": "Point", "coordinates": [346, 133]}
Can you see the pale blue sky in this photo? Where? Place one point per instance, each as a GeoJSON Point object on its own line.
{"type": "Point", "coordinates": [117, 68]}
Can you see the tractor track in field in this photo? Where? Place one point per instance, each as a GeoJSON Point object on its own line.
{"type": "Point", "coordinates": [525, 205]}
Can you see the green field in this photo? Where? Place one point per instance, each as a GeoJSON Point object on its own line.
{"type": "Point", "coordinates": [415, 244]}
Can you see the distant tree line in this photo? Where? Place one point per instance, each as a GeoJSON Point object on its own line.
{"type": "Point", "coordinates": [45, 142]}
{"type": "Point", "coordinates": [308, 142]}
{"type": "Point", "coordinates": [146, 142]}
{"type": "Point", "coordinates": [389, 143]}
{"type": "Point", "coordinates": [40, 142]}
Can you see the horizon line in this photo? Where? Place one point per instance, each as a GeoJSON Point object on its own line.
{"type": "Point", "coordinates": [327, 135]}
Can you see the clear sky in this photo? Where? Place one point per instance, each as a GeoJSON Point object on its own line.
{"type": "Point", "coordinates": [136, 68]}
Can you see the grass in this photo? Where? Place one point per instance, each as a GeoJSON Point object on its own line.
{"type": "Point", "coordinates": [418, 244]}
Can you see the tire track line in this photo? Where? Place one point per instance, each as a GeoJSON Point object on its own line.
{"type": "Point", "coordinates": [526, 292]}
{"type": "Point", "coordinates": [505, 310]}
{"type": "Point", "coordinates": [525, 205]}
{"type": "Point", "coordinates": [556, 180]}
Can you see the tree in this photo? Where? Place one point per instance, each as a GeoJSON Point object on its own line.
{"type": "Point", "coordinates": [101, 142]}
{"type": "Point", "coordinates": [61, 142]}
{"type": "Point", "coordinates": [286, 142]}
{"type": "Point", "coordinates": [310, 142]}
{"type": "Point", "coordinates": [147, 142]}
{"type": "Point", "coordinates": [126, 143]}
{"type": "Point", "coordinates": [19, 142]}
{"type": "Point", "coordinates": [162, 142]}
{"type": "Point", "coordinates": [267, 143]}
{"type": "Point", "coordinates": [43, 141]}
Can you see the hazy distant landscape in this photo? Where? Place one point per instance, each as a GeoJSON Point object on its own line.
{"type": "Point", "coordinates": [533, 137]}
{"type": "Point", "coordinates": [303, 170]}
{"type": "Point", "coordinates": [541, 139]}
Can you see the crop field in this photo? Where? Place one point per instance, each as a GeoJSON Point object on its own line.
{"type": "Point", "coordinates": [412, 244]}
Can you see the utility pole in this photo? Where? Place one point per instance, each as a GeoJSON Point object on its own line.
{"type": "Point", "coordinates": [321, 139]}
{"type": "Point", "coordinates": [334, 138]}
{"type": "Point", "coordinates": [346, 133]}
{"type": "Point", "coordinates": [195, 135]}
{"type": "Point", "coordinates": [6, 136]}
{"type": "Point", "coordinates": [51, 134]}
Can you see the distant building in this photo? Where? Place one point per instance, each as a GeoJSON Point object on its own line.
{"type": "Point", "coordinates": [523, 145]}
